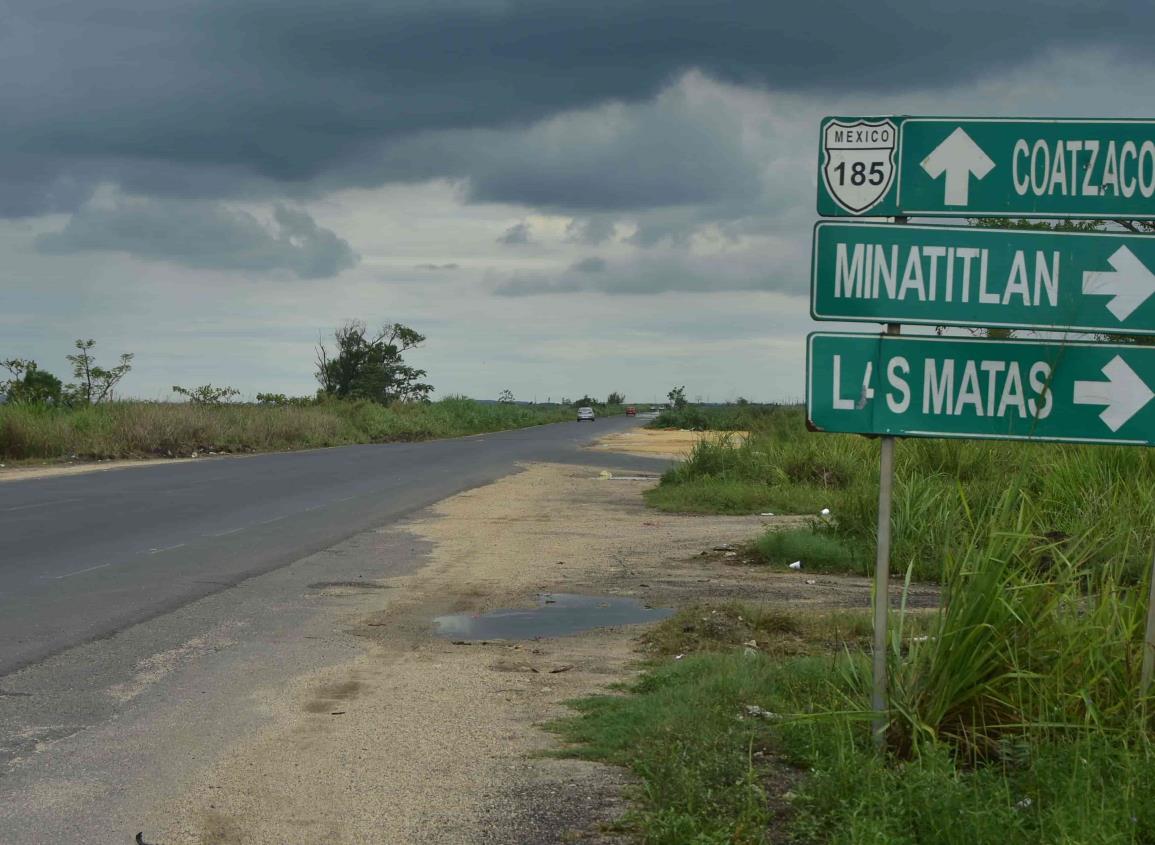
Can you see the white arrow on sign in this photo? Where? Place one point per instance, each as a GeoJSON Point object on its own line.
{"type": "Point", "coordinates": [1124, 393]}
{"type": "Point", "coordinates": [1130, 283]}
{"type": "Point", "coordinates": [958, 157]}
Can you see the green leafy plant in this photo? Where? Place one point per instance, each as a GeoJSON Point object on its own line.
{"type": "Point", "coordinates": [206, 394]}
{"type": "Point", "coordinates": [94, 384]}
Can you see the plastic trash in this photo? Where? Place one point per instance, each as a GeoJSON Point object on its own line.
{"type": "Point", "coordinates": [825, 511]}
{"type": "Point", "coordinates": [768, 513]}
{"type": "Point", "coordinates": [757, 712]}
{"type": "Point", "coordinates": [796, 565]}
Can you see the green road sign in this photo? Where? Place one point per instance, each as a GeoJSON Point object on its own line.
{"type": "Point", "coordinates": [986, 167]}
{"type": "Point", "coordinates": [1007, 389]}
{"type": "Point", "coordinates": [967, 276]}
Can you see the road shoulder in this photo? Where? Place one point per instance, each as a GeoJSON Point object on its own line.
{"type": "Point", "coordinates": [424, 740]}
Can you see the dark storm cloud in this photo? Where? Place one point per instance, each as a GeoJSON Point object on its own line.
{"type": "Point", "coordinates": [591, 231]}
{"type": "Point", "coordinates": [662, 273]}
{"type": "Point", "coordinates": [216, 98]}
{"type": "Point", "coordinates": [593, 264]}
{"type": "Point", "coordinates": [515, 235]}
{"type": "Point", "coordinates": [205, 236]}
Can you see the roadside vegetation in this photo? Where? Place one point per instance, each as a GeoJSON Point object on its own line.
{"type": "Point", "coordinates": [1016, 714]}
{"type": "Point", "coordinates": [170, 429]}
{"type": "Point", "coordinates": [1095, 503]}
{"type": "Point", "coordinates": [367, 394]}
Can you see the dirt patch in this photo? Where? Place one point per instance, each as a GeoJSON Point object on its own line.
{"type": "Point", "coordinates": [424, 740]}
{"type": "Point", "coordinates": [661, 443]}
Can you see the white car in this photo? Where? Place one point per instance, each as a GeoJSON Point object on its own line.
{"type": "Point", "coordinates": [586, 414]}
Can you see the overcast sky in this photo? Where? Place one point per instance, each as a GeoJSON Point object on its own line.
{"type": "Point", "coordinates": [565, 196]}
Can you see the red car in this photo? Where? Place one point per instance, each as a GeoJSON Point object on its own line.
{"type": "Point", "coordinates": [631, 411]}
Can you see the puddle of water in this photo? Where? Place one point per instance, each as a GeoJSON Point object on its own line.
{"type": "Point", "coordinates": [558, 615]}
{"type": "Point", "coordinates": [350, 585]}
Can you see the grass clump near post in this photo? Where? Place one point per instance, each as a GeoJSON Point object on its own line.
{"type": "Point", "coordinates": [822, 551]}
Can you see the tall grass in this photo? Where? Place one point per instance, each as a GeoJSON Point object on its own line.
{"type": "Point", "coordinates": [717, 417]}
{"type": "Point", "coordinates": [942, 488]}
{"type": "Point", "coordinates": [161, 429]}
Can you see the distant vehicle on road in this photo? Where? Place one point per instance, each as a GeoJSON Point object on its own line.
{"type": "Point", "coordinates": [631, 411]}
{"type": "Point", "coordinates": [585, 414]}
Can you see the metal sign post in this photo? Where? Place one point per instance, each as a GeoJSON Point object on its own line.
{"type": "Point", "coordinates": [879, 671]}
{"type": "Point", "coordinates": [1148, 640]}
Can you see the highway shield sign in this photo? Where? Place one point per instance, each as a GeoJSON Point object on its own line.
{"type": "Point", "coordinates": [988, 167]}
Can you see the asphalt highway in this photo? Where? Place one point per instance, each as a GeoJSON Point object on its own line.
{"type": "Point", "coordinates": [85, 556]}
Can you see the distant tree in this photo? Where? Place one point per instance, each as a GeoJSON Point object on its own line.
{"type": "Point", "coordinates": [741, 400]}
{"type": "Point", "coordinates": [615, 398]}
{"type": "Point", "coordinates": [29, 384]}
{"type": "Point", "coordinates": [206, 394]}
{"type": "Point", "coordinates": [94, 384]}
{"type": "Point", "coordinates": [677, 397]}
{"type": "Point", "coordinates": [505, 397]}
{"type": "Point", "coordinates": [586, 401]}
{"type": "Point", "coordinates": [371, 366]}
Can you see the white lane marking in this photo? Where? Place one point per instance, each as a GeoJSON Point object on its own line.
{"type": "Point", "coordinates": [267, 521]}
{"type": "Point", "coordinates": [39, 505]}
{"type": "Point", "coordinates": [230, 531]}
{"type": "Point", "coordinates": [166, 549]}
{"type": "Point", "coordinates": [347, 498]}
{"type": "Point", "coordinates": [79, 571]}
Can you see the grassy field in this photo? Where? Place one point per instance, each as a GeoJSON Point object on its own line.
{"type": "Point", "coordinates": [1095, 502]}
{"type": "Point", "coordinates": [168, 429]}
{"type": "Point", "coordinates": [1015, 713]}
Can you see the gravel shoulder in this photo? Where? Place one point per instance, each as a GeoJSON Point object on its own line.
{"type": "Point", "coordinates": [675, 444]}
{"type": "Point", "coordinates": [421, 740]}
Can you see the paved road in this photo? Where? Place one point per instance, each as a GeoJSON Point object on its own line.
{"type": "Point", "coordinates": [85, 556]}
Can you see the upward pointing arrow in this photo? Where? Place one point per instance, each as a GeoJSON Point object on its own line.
{"type": "Point", "coordinates": [1124, 393]}
{"type": "Point", "coordinates": [958, 157]}
{"type": "Point", "coordinates": [1129, 285]}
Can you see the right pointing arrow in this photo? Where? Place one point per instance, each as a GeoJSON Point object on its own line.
{"type": "Point", "coordinates": [1124, 393]}
{"type": "Point", "coordinates": [1130, 284]}
{"type": "Point", "coordinates": [958, 157]}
